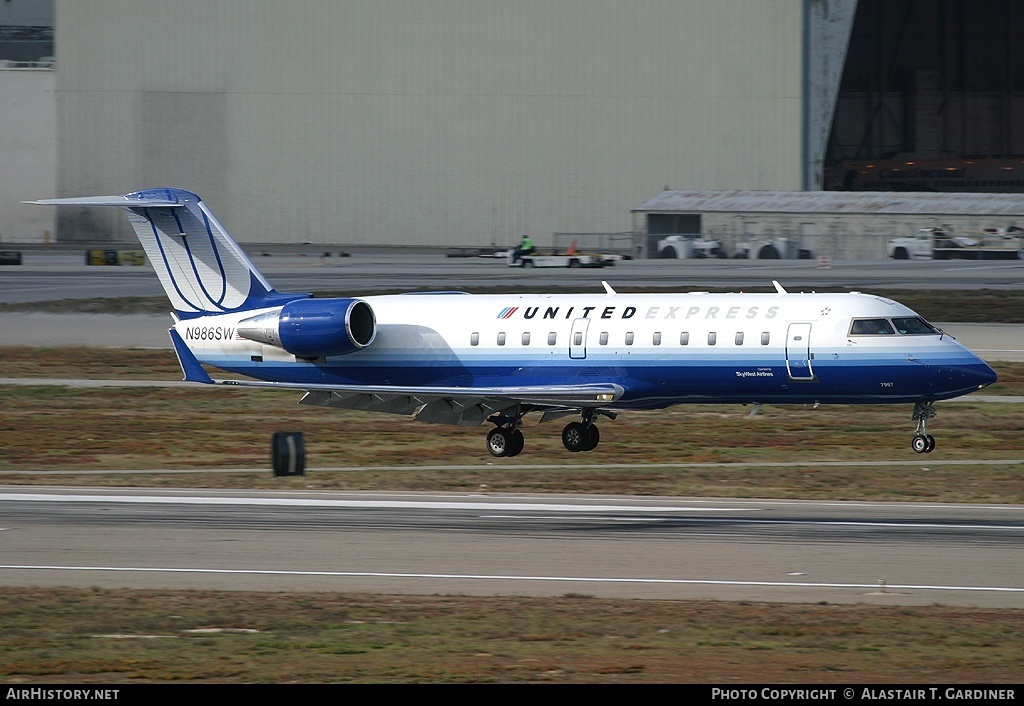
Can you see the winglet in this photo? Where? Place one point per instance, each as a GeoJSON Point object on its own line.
{"type": "Point", "coordinates": [779, 288]}
{"type": "Point", "coordinates": [190, 366]}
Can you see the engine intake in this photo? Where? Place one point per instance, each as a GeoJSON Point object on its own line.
{"type": "Point", "coordinates": [313, 328]}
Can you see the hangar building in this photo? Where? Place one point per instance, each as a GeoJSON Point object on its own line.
{"type": "Point", "coordinates": [471, 122]}
{"type": "Point", "coordinates": [435, 122]}
{"type": "Point", "coordinates": [841, 225]}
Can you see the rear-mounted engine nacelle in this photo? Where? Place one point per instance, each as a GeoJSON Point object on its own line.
{"type": "Point", "coordinates": [313, 328]}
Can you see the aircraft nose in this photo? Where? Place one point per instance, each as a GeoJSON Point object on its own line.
{"type": "Point", "coordinates": [968, 376]}
{"type": "Point", "coordinates": [983, 374]}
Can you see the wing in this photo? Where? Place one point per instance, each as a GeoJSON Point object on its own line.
{"type": "Point", "coordinates": [461, 406]}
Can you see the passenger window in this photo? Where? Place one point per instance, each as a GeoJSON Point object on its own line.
{"type": "Point", "coordinates": [577, 339]}
{"type": "Point", "coordinates": [526, 338]}
{"type": "Point", "coordinates": [684, 338]}
{"type": "Point", "coordinates": [552, 338]}
{"type": "Point", "coordinates": [629, 338]}
{"type": "Point", "coordinates": [604, 338]}
{"type": "Point", "coordinates": [871, 327]}
{"type": "Point", "coordinates": [766, 336]}
{"type": "Point", "coordinates": [474, 338]}
{"type": "Point", "coordinates": [501, 338]}
{"type": "Point", "coordinates": [739, 338]}
{"type": "Point", "coordinates": [657, 338]}
{"type": "Point", "coordinates": [712, 338]}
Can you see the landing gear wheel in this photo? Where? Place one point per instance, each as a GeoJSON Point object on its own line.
{"type": "Point", "coordinates": [595, 438]}
{"type": "Point", "coordinates": [922, 444]}
{"type": "Point", "coordinates": [575, 437]}
{"type": "Point", "coordinates": [515, 444]}
{"type": "Point", "coordinates": [931, 444]}
{"type": "Point", "coordinates": [288, 453]}
{"type": "Point", "coordinates": [499, 442]}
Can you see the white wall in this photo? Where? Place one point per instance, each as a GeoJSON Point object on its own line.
{"type": "Point", "coordinates": [28, 154]}
{"type": "Point", "coordinates": [434, 122]}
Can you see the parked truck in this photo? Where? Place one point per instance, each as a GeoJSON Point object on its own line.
{"type": "Point", "coordinates": [763, 248]}
{"type": "Point", "coordinates": [681, 247]}
{"type": "Point", "coordinates": [943, 244]}
{"type": "Point", "coordinates": [756, 248]}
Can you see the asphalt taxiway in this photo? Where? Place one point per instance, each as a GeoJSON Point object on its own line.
{"type": "Point", "coordinates": [47, 276]}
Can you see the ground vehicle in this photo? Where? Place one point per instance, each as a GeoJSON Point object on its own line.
{"type": "Point", "coordinates": [771, 249]}
{"type": "Point", "coordinates": [757, 248]}
{"type": "Point", "coordinates": [570, 258]}
{"type": "Point", "coordinates": [679, 247]}
{"type": "Point", "coordinates": [943, 244]}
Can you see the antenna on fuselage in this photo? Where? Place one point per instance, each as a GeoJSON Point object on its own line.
{"type": "Point", "coordinates": [608, 288]}
{"type": "Point", "coordinates": [779, 288]}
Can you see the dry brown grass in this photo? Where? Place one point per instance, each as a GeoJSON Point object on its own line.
{"type": "Point", "coordinates": [69, 635]}
{"type": "Point", "coordinates": [67, 429]}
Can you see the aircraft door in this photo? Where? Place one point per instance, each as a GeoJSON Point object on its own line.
{"type": "Point", "coordinates": [798, 352]}
{"type": "Point", "coordinates": [578, 339]}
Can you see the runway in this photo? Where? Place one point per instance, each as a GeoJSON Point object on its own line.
{"type": "Point", "coordinates": [422, 543]}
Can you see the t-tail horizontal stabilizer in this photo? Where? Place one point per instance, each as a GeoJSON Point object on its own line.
{"type": "Point", "coordinates": [202, 270]}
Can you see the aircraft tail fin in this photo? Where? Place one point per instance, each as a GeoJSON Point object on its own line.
{"type": "Point", "coordinates": [202, 270]}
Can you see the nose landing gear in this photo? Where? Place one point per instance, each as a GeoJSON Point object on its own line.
{"type": "Point", "coordinates": [923, 442]}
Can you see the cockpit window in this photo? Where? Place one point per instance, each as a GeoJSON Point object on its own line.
{"type": "Point", "coordinates": [913, 326]}
{"type": "Point", "coordinates": [871, 327]}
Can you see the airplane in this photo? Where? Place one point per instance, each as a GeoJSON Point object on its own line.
{"type": "Point", "coordinates": [470, 359]}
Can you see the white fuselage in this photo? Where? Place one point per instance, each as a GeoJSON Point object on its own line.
{"type": "Point", "coordinates": [662, 348]}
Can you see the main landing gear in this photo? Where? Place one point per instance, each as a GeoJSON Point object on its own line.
{"type": "Point", "coordinates": [581, 436]}
{"type": "Point", "coordinates": [506, 439]}
{"type": "Point", "coordinates": [577, 437]}
{"type": "Point", "coordinates": [923, 442]}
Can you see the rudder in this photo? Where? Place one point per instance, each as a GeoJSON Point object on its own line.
{"type": "Point", "coordinates": [202, 270]}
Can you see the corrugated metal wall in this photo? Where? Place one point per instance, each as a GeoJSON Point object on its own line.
{"type": "Point", "coordinates": [426, 122]}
